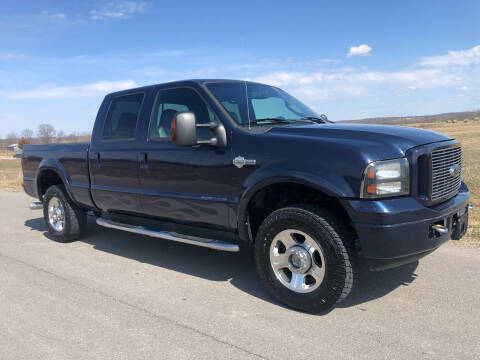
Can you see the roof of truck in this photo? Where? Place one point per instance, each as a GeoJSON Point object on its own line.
{"type": "Point", "coordinates": [178, 83]}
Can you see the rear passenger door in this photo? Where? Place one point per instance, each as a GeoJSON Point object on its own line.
{"type": "Point", "coordinates": [114, 155]}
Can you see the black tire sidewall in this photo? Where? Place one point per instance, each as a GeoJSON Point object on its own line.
{"type": "Point", "coordinates": [66, 234]}
{"type": "Point", "coordinates": [329, 291]}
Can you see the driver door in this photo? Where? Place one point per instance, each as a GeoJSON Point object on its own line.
{"type": "Point", "coordinates": [185, 184]}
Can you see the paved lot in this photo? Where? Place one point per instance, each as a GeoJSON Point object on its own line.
{"type": "Point", "coordinates": [122, 296]}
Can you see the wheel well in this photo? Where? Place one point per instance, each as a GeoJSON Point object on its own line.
{"type": "Point", "coordinates": [276, 196]}
{"type": "Point", "coordinates": [47, 179]}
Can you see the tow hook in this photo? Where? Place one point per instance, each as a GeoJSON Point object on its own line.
{"type": "Point", "coordinates": [439, 229]}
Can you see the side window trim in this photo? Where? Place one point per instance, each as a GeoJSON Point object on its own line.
{"type": "Point", "coordinates": [155, 103]}
{"type": "Point", "coordinates": [140, 109]}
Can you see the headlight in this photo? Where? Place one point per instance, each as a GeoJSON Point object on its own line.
{"type": "Point", "coordinates": [386, 179]}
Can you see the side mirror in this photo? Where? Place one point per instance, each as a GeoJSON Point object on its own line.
{"type": "Point", "coordinates": [183, 131]}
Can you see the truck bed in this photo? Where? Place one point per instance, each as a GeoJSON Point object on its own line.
{"type": "Point", "coordinates": [74, 160]}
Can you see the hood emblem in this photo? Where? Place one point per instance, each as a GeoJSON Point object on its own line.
{"type": "Point", "coordinates": [240, 162]}
{"type": "Point", "coordinates": [453, 170]}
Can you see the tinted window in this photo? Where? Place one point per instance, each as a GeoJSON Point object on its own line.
{"type": "Point", "coordinates": [233, 110]}
{"type": "Point", "coordinates": [122, 117]}
{"type": "Point", "coordinates": [233, 98]}
{"type": "Point", "coordinates": [172, 101]}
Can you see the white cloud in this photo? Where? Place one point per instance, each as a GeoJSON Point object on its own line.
{"type": "Point", "coordinates": [417, 77]}
{"type": "Point", "coordinates": [78, 91]}
{"type": "Point", "coordinates": [454, 58]}
{"type": "Point", "coordinates": [57, 16]}
{"type": "Point", "coordinates": [446, 71]}
{"type": "Point", "coordinates": [8, 56]}
{"type": "Point", "coordinates": [354, 83]}
{"type": "Point", "coordinates": [361, 50]}
{"type": "Point", "coordinates": [119, 10]}
{"type": "Point", "coordinates": [53, 16]}
{"type": "Point", "coordinates": [413, 79]}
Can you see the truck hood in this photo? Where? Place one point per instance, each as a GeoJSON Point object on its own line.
{"type": "Point", "coordinates": [399, 137]}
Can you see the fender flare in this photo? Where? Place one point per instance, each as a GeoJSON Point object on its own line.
{"type": "Point", "coordinates": [55, 166]}
{"type": "Point", "coordinates": [323, 185]}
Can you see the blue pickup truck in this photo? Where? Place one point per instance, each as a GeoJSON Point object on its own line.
{"type": "Point", "coordinates": [224, 163]}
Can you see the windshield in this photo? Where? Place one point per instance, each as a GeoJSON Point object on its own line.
{"type": "Point", "coordinates": [266, 104]}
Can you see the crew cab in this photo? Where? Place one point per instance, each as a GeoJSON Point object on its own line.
{"type": "Point", "coordinates": [225, 163]}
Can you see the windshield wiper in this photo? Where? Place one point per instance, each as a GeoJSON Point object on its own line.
{"type": "Point", "coordinates": [274, 120]}
{"type": "Point", "coordinates": [318, 120]}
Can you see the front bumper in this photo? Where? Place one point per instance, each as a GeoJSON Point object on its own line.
{"type": "Point", "coordinates": [393, 232]}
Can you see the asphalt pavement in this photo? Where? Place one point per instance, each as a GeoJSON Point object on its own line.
{"type": "Point", "coordinates": [116, 295]}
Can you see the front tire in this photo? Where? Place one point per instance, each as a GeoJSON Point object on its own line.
{"type": "Point", "coordinates": [65, 220]}
{"type": "Point", "coordinates": [305, 258]}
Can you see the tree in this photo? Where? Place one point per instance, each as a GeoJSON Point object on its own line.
{"type": "Point", "coordinates": [23, 141]}
{"type": "Point", "coordinates": [60, 135]}
{"type": "Point", "coordinates": [27, 134]}
{"type": "Point", "coordinates": [12, 137]}
{"type": "Point", "coordinates": [46, 132]}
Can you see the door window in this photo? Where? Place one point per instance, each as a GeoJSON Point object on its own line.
{"type": "Point", "coordinates": [122, 117]}
{"type": "Point", "coordinates": [172, 101]}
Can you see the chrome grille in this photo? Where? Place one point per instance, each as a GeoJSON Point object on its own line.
{"type": "Point", "coordinates": [446, 172]}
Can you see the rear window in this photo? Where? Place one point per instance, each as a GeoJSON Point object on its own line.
{"type": "Point", "coordinates": [122, 117]}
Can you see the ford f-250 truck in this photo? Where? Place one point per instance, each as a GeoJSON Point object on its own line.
{"type": "Point", "coordinates": [221, 163]}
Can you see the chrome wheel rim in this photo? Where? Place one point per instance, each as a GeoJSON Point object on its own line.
{"type": "Point", "coordinates": [297, 261]}
{"type": "Point", "coordinates": [56, 214]}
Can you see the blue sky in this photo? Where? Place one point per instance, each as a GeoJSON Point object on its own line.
{"type": "Point", "coordinates": [347, 59]}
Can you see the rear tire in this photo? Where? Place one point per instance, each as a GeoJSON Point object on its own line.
{"type": "Point", "coordinates": [305, 258]}
{"type": "Point", "coordinates": [65, 220]}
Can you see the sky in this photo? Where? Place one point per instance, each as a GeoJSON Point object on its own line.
{"type": "Point", "coordinates": [346, 59]}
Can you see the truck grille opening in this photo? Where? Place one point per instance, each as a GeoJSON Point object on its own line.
{"type": "Point", "coordinates": [423, 176]}
{"type": "Point", "coordinates": [446, 172]}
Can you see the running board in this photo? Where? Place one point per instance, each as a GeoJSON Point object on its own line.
{"type": "Point", "coordinates": [192, 240]}
{"type": "Point", "coordinates": [37, 205]}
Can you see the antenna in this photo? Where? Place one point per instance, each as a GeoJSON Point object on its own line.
{"type": "Point", "coordinates": [248, 107]}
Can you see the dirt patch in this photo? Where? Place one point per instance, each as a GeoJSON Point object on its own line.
{"type": "Point", "coordinates": [10, 175]}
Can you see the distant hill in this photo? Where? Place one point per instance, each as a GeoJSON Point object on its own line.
{"type": "Point", "coordinates": [447, 117]}
{"type": "Point", "coordinates": [76, 138]}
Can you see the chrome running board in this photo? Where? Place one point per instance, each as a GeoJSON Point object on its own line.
{"type": "Point", "coordinates": [192, 240]}
{"type": "Point", "coordinates": [37, 205]}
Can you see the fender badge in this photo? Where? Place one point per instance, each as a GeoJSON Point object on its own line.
{"type": "Point", "coordinates": [240, 162]}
